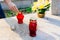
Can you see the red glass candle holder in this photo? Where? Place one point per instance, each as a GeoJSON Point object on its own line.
{"type": "Point", "coordinates": [32, 28]}
{"type": "Point", "coordinates": [20, 17]}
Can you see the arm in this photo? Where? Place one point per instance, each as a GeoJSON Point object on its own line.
{"type": "Point", "coordinates": [11, 6]}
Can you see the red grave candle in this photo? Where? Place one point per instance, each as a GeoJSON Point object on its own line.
{"type": "Point", "coordinates": [32, 27]}
{"type": "Point", "coordinates": [20, 17]}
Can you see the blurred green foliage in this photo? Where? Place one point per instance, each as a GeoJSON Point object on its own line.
{"type": "Point", "coordinates": [9, 13]}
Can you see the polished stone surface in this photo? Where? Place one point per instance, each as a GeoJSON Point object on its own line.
{"type": "Point", "coordinates": [48, 28]}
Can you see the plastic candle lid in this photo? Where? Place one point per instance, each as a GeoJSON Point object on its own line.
{"type": "Point", "coordinates": [32, 18]}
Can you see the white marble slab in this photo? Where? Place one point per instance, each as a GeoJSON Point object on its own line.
{"type": "Point", "coordinates": [48, 28]}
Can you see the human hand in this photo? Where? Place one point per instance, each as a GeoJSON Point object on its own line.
{"type": "Point", "coordinates": [13, 7]}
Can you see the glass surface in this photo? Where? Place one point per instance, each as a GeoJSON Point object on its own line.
{"type": "Point", "coordinates": [20, 17]}
{"type": "Point", "coordinates": [32, 28]}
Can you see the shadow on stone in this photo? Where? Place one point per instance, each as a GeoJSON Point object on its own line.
{"type": "Point", "coordinates": [53, 21]}
{"type": "Point", "coordinates": [23, 31]}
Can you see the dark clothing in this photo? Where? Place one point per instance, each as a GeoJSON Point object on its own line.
{"type": "Point", "coordinates": [2, 15]}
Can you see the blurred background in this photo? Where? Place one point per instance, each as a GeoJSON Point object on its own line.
{"type": "Point", "coordinates": [23, 5]}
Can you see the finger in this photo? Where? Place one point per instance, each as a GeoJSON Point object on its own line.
{"type": "Point", "coordinates": [16, 9]}
{"type": "Point", "coordinates": [11, 8]}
